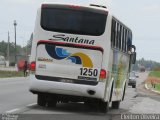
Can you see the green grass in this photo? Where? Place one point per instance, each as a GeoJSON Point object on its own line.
{"type": "Point", "coordinates": [154, 74]}
{"type": "Point", "coordinates": [7, 74]}
{"type": "Point", "coordinates": [157, 87]}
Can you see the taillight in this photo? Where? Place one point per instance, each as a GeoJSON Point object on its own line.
{"type": "Point", "coordinates": [103, 74]}
{"type": "Point", "coordinates": [32, 66]}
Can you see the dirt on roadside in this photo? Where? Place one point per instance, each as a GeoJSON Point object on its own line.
{"type": "Point", "coordinates": [143, 92]}
{"type": "Point", "coordinates": [153, 80]}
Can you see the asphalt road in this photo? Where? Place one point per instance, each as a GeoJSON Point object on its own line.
{"type": "Point", "coordinates": [14, 94]}
{"type": "Point", "coordinates": [16, 99]}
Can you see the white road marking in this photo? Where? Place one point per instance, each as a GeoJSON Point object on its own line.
{"type": "Point", "coordinates": [12, 111]}
{"type": "Point", "coordinates": [18, 109]}
{"type": "Point", "coordinates": [156, 91]}
{"type": "Point", "coordinates": [146, 86]}
{"type": "Point", "coordinates": [30, 105]}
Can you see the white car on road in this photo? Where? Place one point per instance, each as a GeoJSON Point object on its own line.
{"type": "Point", "coordinates": [132, 79]}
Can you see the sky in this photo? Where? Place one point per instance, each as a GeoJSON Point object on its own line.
{"type": "Point", "coordinates": [142, 16]}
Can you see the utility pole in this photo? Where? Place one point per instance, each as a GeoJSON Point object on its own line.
{"type": "Point", "coordinates": [15, 24]}
{"type": "Point", "coordinates": [8, 47]}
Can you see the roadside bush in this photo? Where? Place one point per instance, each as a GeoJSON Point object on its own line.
{"type": "Point", "coordinates": [7, 74]}
{"type": "Point", "coordinates": [153, 81]}
{"type": "Point", "coordinates": [156, 69]}
{"type": "Point", "coordinates": [154, 74]}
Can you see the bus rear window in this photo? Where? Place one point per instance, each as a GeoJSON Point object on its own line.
{"type": "Point", "coordinates": [74, 21]}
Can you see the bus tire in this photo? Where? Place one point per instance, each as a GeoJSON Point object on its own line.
{"type": "Point", "coordinates": [103, 106]}
{"type": "Point", "coordinates": [115, 104]}
{"type": "Point", "coordinates": [52, 103]}
{"type": "Point", "coordinates": [41, 100]}
{"type": "Point", "coordinates": [133, 86]}
{"type": "Point", "coordinates": [87, 103]}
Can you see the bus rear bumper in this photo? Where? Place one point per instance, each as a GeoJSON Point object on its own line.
{"type": "Point", "coordinates": [61, 88]}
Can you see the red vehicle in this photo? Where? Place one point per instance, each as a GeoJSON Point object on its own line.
{"type": "Point", "coordinates": [20, 65]}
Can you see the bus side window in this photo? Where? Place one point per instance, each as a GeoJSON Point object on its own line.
{"type": "Point", "coordinates": [120, 38]}
{"type": "Point", "coordinates": [126, 40]}
{"type": "Point", "coordinates": [116, 29]}
{"type": "Point", "coordinates": [123, 40]}
{"type": "Point", "coordinates": [113, 33]}
{"type": "Point", "coordinates": [115, 40]}
{"type": "Point", "coordinates": [129, 41]}
{"type": "Point", "coordinates": [117, 37]}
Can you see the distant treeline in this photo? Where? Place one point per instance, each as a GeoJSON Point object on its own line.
{"type": "Point", "coordinates": [148, 64]}
{"type": "Point", "coordinates": [4, 48]}
{"type": "Point", "coordinates": [21, 50]}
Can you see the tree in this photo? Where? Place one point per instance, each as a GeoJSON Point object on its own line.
{"type": "Point", "coordinates": [148, 64]}
{"type": "Point", "coordinates": [3, 49]}
{"type": "Point", "coordinates": [28, 47]}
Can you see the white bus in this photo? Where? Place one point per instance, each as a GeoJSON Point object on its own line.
{"type": "Point", "coordinates": [80, 54]}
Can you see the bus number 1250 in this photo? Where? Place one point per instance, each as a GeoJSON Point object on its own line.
{"type": "Point", "coordinates": [88, 72]}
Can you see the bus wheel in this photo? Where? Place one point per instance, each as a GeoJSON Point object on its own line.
{"type": "Point", "coordinates": [104, 106]}
{"type": "Point", "coordinates": [52, 103]}
{"type": "Point", "coordinates": [41, 100]}
{"type": "Point", "coordinates": [115, 104]}
{"type": "Point", "coordinates": [133, 86]}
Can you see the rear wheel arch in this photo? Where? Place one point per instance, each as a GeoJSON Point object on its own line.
{"type": "Point", "coordinates": [111, 91]}
{"type": "Point", "coordinates": [124, 91]}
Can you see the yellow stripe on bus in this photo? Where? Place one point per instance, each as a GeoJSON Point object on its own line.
{"type": "Point", "coordinates": [86, 61]}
